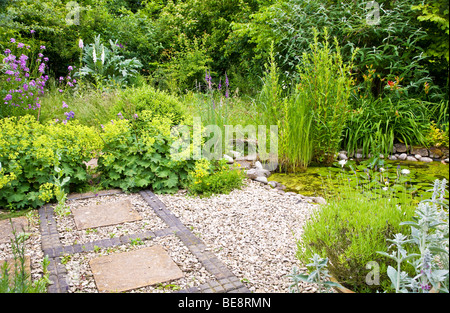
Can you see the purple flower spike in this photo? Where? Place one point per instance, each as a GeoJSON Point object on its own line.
{"type": "Point", "coordinates": [64, 105]}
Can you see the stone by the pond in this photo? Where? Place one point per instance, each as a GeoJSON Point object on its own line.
{"type": "Point", "coordinates": [272, 183]}
{"type": "Point", "coordinates": [255, 172]}
{"type": "Point", "coordinates": [258, 165]}
{"type": "Point", "coordinates": [18, 224]}
{"type": "Point", "coordinates": [402, 156]}
{"type": "Point", "coordinates": [261, 179]}
{"type": "Point", "coordinates": [419, 150]}
{"type": "Point", "coordinates": [318, 200]}
{"type": "Point", "coordinates": [104, 214]}
{"type": "Point", "coordinates": [392, 157]}
{"type": "Point", "coordinates": [418, 157]}
{"type": "Point", "coordinates": [228, 159]}
{"type": "Point", "coordinates": [400, 147]}
{"type": "Point", "coordinates": [436, 153]}
{"type": "Point", "coordinates": [411, 158]}
{"type": "Point", "coordinates": [342, 156]}
{"type": "Point", "coordinates": [426, 159]}
{"type": "Point", "coordinates": [134, 269]}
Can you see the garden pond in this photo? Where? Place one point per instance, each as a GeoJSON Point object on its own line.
{"type": "Point", "coordinates": [326, 182]}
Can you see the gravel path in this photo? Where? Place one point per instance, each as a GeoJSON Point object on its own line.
{"type": "Point", "coordinates": [253, 231]}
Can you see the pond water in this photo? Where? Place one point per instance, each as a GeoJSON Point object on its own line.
{"type": "Point", "coordinates": [326, 181]}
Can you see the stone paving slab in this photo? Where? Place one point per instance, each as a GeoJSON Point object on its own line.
{"type": "Point", "coordinates": [105, 214]}
{"type": "Point", "coordinates": [134, 269]}
{"type": "Point", "coordinates": [19, 224]}
{"type": "Point", "coordinates": [12, 264]}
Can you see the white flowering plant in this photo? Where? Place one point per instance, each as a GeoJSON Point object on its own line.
{"type": "Point", "coordinates": [105, 65]}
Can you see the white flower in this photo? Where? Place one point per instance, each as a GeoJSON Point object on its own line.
{"type": "Point", "coordinates": [342, 162]}
{"type": "Point", "coordinates": [382, 169]}
{"type": "Point", "coordinates": [385, 188]}
{"type": "Point", "coordinates": [80, 43]}
{"type": "Point", "coordinates": [94, 55]}
{"type": "Point", "coordinates": [405, 171]}
{"type": "Point", "coordinates": [103, 55]}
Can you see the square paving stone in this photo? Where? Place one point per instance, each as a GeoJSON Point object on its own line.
{"type": "Point", "coordinates": [11, 266]}
{"type": "Point", "coordinates": [19, 224]}
{"type": "Point", "coordinates": [134, 269]}
{"type": "Point", "coordinates": [105, 214]}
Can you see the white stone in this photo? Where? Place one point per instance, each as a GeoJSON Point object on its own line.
{"type": "Point", "coordinates": [261, 179]}
{"type": "Point", "coordinates": [258, 165]}
{"type": "Point", "coordinates": [411, 158]}
{"type": "Point", "coordinates": [228, 159]}
{"type": "Point", "coordinates": [426, 159]}
{"type": "Point", "coordinates": [402, 156]}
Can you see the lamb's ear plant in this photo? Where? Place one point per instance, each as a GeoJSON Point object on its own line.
{"type": "Point", "coordinates": [429, 233]}
{"type": "Point", "coordinates": [318, 275]}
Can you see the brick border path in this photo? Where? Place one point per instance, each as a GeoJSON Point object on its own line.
{"type": "Point", "coordinates": [225, 281]}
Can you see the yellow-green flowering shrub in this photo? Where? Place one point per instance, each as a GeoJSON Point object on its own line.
{"type": "Point", "coordinates": [137, 155]}
{"type": "Point", "coordinates": [29, 152]}
{"type": "Point", "coordinates": [215, 177]}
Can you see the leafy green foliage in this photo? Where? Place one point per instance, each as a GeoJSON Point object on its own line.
{"type": "Point", "coordinates": [29, 152]}
{"type": "Point", "coordinates": [208, 178]}
{"type": "Point", "coordinates": [103, 64]}
{"type": "Point", "coordinates": [133, 100]}
{"type": "Point", "coordinates": [349, 231]}
{"type": "Point", "coordinates": [137, 155]}
{"type": "Point", "coordinates": [376, 123]}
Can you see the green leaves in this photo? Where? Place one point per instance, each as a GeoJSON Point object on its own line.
{"type": "Point", "coordinates": [141, 156]}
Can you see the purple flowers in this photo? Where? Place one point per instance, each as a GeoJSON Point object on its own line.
{"type": "Point", "coordinates": [70, 115]}
{"type": "Point", "coordinates": [64, 105]}
{"type": "Point", "coordinates": [26, 81]}
{"type": "Point", "coordinates": [70, 68]}
{"type": "Point", "coordinates": [42, 47]}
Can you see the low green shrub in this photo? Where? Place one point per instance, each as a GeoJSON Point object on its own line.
{"type": "Point", "coordinates": [137, 155]}
{"type": "Point", "coordinates": [29, 152]}
{"type": "Point", "coordinates": [210, 178]}
{"type": "Point", "coordinates": [349, 232]}
{"type": "Point", "coordinates": [136, 99]}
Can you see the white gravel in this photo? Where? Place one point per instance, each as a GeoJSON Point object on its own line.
{"type": "Point", "coordinates": [254, 231]}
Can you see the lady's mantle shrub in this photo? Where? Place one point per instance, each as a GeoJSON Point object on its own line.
{"type": "Point", "coordinates": [137, 155]}
{"type": "Point", "coordinates": [29, 152]}
{"type": "Point", "coordinates": [136, 99]}
{"type": "Point", "coordinates": [214, 178]}
{"type": "Point", "coordinates": [349, 233]}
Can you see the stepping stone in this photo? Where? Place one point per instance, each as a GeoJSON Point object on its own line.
{"type": "Point", "coordinates": [134, 269]}
{"type": "Point", "coordinates": [105, 214]}
{"type": "Point", "coordinates": [6, 231]}
{"type": "Point", "coordinates": [12, 264]}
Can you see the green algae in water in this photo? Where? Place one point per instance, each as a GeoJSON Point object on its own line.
{"type": "Point", "coordinates": [325, 181]}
